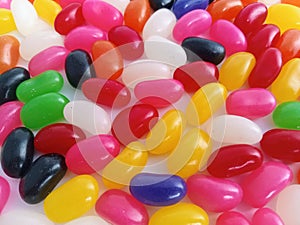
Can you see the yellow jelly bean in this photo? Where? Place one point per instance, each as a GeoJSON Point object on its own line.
{"type": "Point", "coordinates": [47, 10]}
{"type": "Point", "coordinates": [71, 200]}
{"type": "Point", "coordinates": [7, 23]}
{"type": "Point", "coordinates": [236, 69]}
{"type": "Point", "coordinates": [191, 154]}
{"type": "Point", "coordinates": [205, 102]}
{"type": "Point", "coordinates": [126, 165]}
{"type": "Point", "coordinates": [286, 87]}
{"type": "Point", "coordinates": [180, 214]}
{"type": "Point", "coordinates": [285, 16]}
{"type": "Point", "coordinates": [166, 133]}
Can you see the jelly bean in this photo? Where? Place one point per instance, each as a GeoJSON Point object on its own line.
{"type": "Point", "coordinates": [108, 18]}
{"type": "Point", "coordinates": [223, 162]}
{"type": "Point", "coordinates": [266, 216]}
{"type": "Point", "coordinates": [191, 154]}
{"type": "Point", "coordinates": [88, 220]}
{"type": "Point", "coordinates": [118, 207]}
{"type": "Point", "coordinates": [10, 114]}
{"type": "Point", "coordinates": [263, 184]}
{"type": "Point", "coordinates": [159, 93]}
{"type": "Point", "coordinates": [194, 23]}
{"type": "Point", "coordinates": [251, 103]}
{"type": "Point", "coordinates": [57, 138]}
{"type": "Point", "coordinates": [165, 134]}
{"type": "Point", "coordinates": [110, 93]}
{"type": "Point", "coordinates": [24, 217]}
{"type": "Point", "coordinates": [233, 129]}
{"type": "Point", "coordinates": [236, 69]}
{"type": "Point", "coordinates": [92, 154]}
{"type": "Point", "coordinates": [251, 17]}
{"type": "Point", "coordinates": [161, 49]}
{"type": "Point", "coordinates": [4, 194]}
{"type": "Point", "coordinates": [205, 102]}
{"type": "Point", "coordinates": [5, 4]}
{"type": "Point", "coordinates": [131, 161]}
{"type": "Point", "coordinates": [182, 7]}
{"type": "Point", "coordinates": [108, 61]}
{"type": "Point", "coordinates": [285, 87]}
{"type": "Point", "coordinates": [46, 82]}
{"type": "Point", "coordinates": [52, 58]}
{"type": "Point", "coordinates": [291, 2]}
{"type": "Point", "coordinates": [181, 213]}
{"type": "Point", "coordinates": [213, 194]}
{"type": "Point", "coordinates": [78, 67]}
{"type": "Point", "coordinates": [266, 69]}
{"type": "Point", "coordinates": [39, 41]}
{"type": "Point", "coordinates": [119, 4]}
{"type": "Point", "coordinates": [158, 4]}
{"type": "Point", "coordinates": [43, 110]}
{"type": "Point", "coordinates": [98, 121]}
{"type": "Point", "coordinates": [157, 189]}
{"type": "Point", "coordinates": [71, 200]}
{"type": "Point", "coordinates": [134, 122]}
{"type": "Point", "coordinates": [196, 74]}
{"type": "Point", "coordinates": [136, 14]}
{"type": "Point", "coordinates": [9, 52]}
{"type": "Point", "coordinates": [143, 70]}
{"type": "Point", "coordinates": [42, 177]}
{"type": "Point", "coordinates": [286, 115]}
{"type": "Point", "coordinates": [235, 42]}
{"type": "Point", "coordinates": [203, 49]}
{"type": "Point", "coordinates": [281, 144]}
{"type": "Point", "coordinates": [7, 22]}
{"type": "Point", "coordinates": [69, 18]}
{"type": "Point", "coordinates": [47, 10]}
{"type": "Point", "coordinates": [9, 82]}
{"type": "Point", "coordinates": [160, 23]}
{"type": "Point", "coordinates": [84, 37]}
{"type": "Point", "coordinates": [17, 152]}
{"type": "Point", "coordinates": [232, 217]}
{"type": "Point", "coordinates": [65, 3]}
{"type": "Point", "coordinates": [128, 41]}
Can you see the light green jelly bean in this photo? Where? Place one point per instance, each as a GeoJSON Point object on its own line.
{"type": "Point", "coordinates": [43, 110]}
{"type": "Point", "coordinates": [46, 82]}
{"type": "Point", "coordinates": [287, 115]}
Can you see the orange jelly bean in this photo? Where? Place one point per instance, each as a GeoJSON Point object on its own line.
{"type": "Point", "coordinates": [247, 2]}
{"type": "Point", "coordinates": [9, 52]}
{"type": "Point", "coordinates": [291, 2]}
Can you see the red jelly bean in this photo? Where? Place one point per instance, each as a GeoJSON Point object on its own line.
{"type": "Point", "coordinates": [57, 138]}
{"type": "Point", "coordinates": [110, 93]}
{"type": "Point", "coordinates": [233, 160]}
{"type": "Point", "coordinates": [65, 3]}
{"type": "Point", "coordinates": [231, 218]}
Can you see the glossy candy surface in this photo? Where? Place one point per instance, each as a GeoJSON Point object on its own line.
{"type": "Point", "coordinates": [4, 193]}
{"type": "Point", "coordinates": [286, 115]}
{"type": "Point", "coordinates": [88, 220]}
{"type": "Point", "coordinates": [9, 52]}
{"type": "Point", "coordinates": [232, 217]}
{"type": "Point", "coordinates": [158, 4]}
{"type": "Point", "coordinates": [224, 9]}
{"type": "Point", "coordinates": [182, 7]}
{"type": "Point", "coordinates": [7, 22]}
{"type": "Point", "coordinates": [47, 10]}
{"type": "Point", "coordinates": [266, 216]}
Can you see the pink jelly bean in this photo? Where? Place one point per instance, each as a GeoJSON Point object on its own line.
{"type": "Point", "coordinates": [101, 14]}
{"type": "Point", "coordinates": [5, 4]}
{"type": "Point", "coordinates": [194, 23]}
{"type": "Point", "coordinates": [10, 118]}
{"type": "Point", "coordinates": [64, 3]}
{"type": "Point", "coordinates": [4, 192]}
{"type": "Point", "coordinates": [159, 93]}
{"type": "Point", "coordinates": [229, 35]}
{"type": "Point", "coordinates": [251, 103]}
{"type": "Point", "coordinates": [265, 182]}
{"type": "Point", "coordinates": [232, 218]}
{"type": "Point", "coordinates": [120, 208]}
{"type": "Point", "coordinates": [266, 216]}
{"type": "Point", "coordinates": [213, 194]}
{"type": "Point", "coordinates": [52, 58]}
{"type": "Point", "coordinates": [92, 154]}
{"type": "Point", "coordinates": [84, 37]}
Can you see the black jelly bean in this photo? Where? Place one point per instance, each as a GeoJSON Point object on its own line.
{"type": "Point", "coordinates": [44, 174]}
{"type": "Point", "coordinates": [17, 152]}
{"type": "Point", "coordinates": [158, 4]}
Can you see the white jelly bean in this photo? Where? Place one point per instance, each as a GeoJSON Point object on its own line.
{"type": "Point", "coordinates": [119, 4]}
{"type": "Point", "coordinates": [88, 220]}
{"type": "Point", "coordinates": [24, 217]}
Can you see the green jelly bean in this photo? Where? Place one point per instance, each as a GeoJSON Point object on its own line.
{"type": "Point", "coordinates": [43, 110]}
{"type": "Point", "coordinates": [287, 115]}
{"type": "Point", "coordinates": [46, 82]}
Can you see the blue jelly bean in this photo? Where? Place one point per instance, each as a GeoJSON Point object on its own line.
{"type": "Point", "coordinates": [182, 7]}
{"type": "Point", "coordinates": [158, 189]}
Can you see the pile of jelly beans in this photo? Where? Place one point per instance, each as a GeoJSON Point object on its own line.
{"type": "Point", "coordinates": [156, 112]}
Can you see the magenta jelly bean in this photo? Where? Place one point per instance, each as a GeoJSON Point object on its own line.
{"type": "Point", "coordinates": [264, 183]}
{"type": "Point", "coordinates": [213, 194]}
{"type": "Point", "coordinates": [5, 4]}
{"type": "Point", "coordinates": [251, 103]}
{"type": "Point", "coordinates": [265, 216]}
{"type": "Point", "coordinates": [159, 93]}
{"type": "Point", "coordinates": [193, 23]}
{"type": "Point", "coordinates": [52, 58]}
{"type": "Point", "coordinates": [92, 154]}
{"type": "Point", "coordinates": [120, 208]}
{"type": "Point", "coordinates": [232, 218]}
{"type": "Point", "coordinates": [4, 192]}
{"type": "Point", "coordinates": [84, 37]}
{"type": "Point", "coordinates": [101, 14]}
{"type": "Point", "coordinates": [234, 40]}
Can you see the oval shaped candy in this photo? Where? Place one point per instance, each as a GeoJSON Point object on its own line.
{"type": "Point", "coordinates": [9, 52]}
{"type": "Point", "coordinates": [286, 115]}
{"type": "Point", "coordinates": [42, 177]}
{"type": "Point", "coordinates": [7, 22]}
{"type": "Point", "coordinates": [158, 4]}
{"type": "Point", "coordinates": [25, 217]}
{"type": "Point", "coordinates": [88, 220]}
{"type": "Point", "coordinates": [232, 217]}
{"type": "Point", "coordinates": [224, 9]}
{"type": "Point", "coordinates": [266, 216]}
{"type": "Point", "coordinates": [4, 193]}
{"type": "Point", "coordinates": [182, 7]}
{"type": "Point", "coordinates": [47, 10]}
